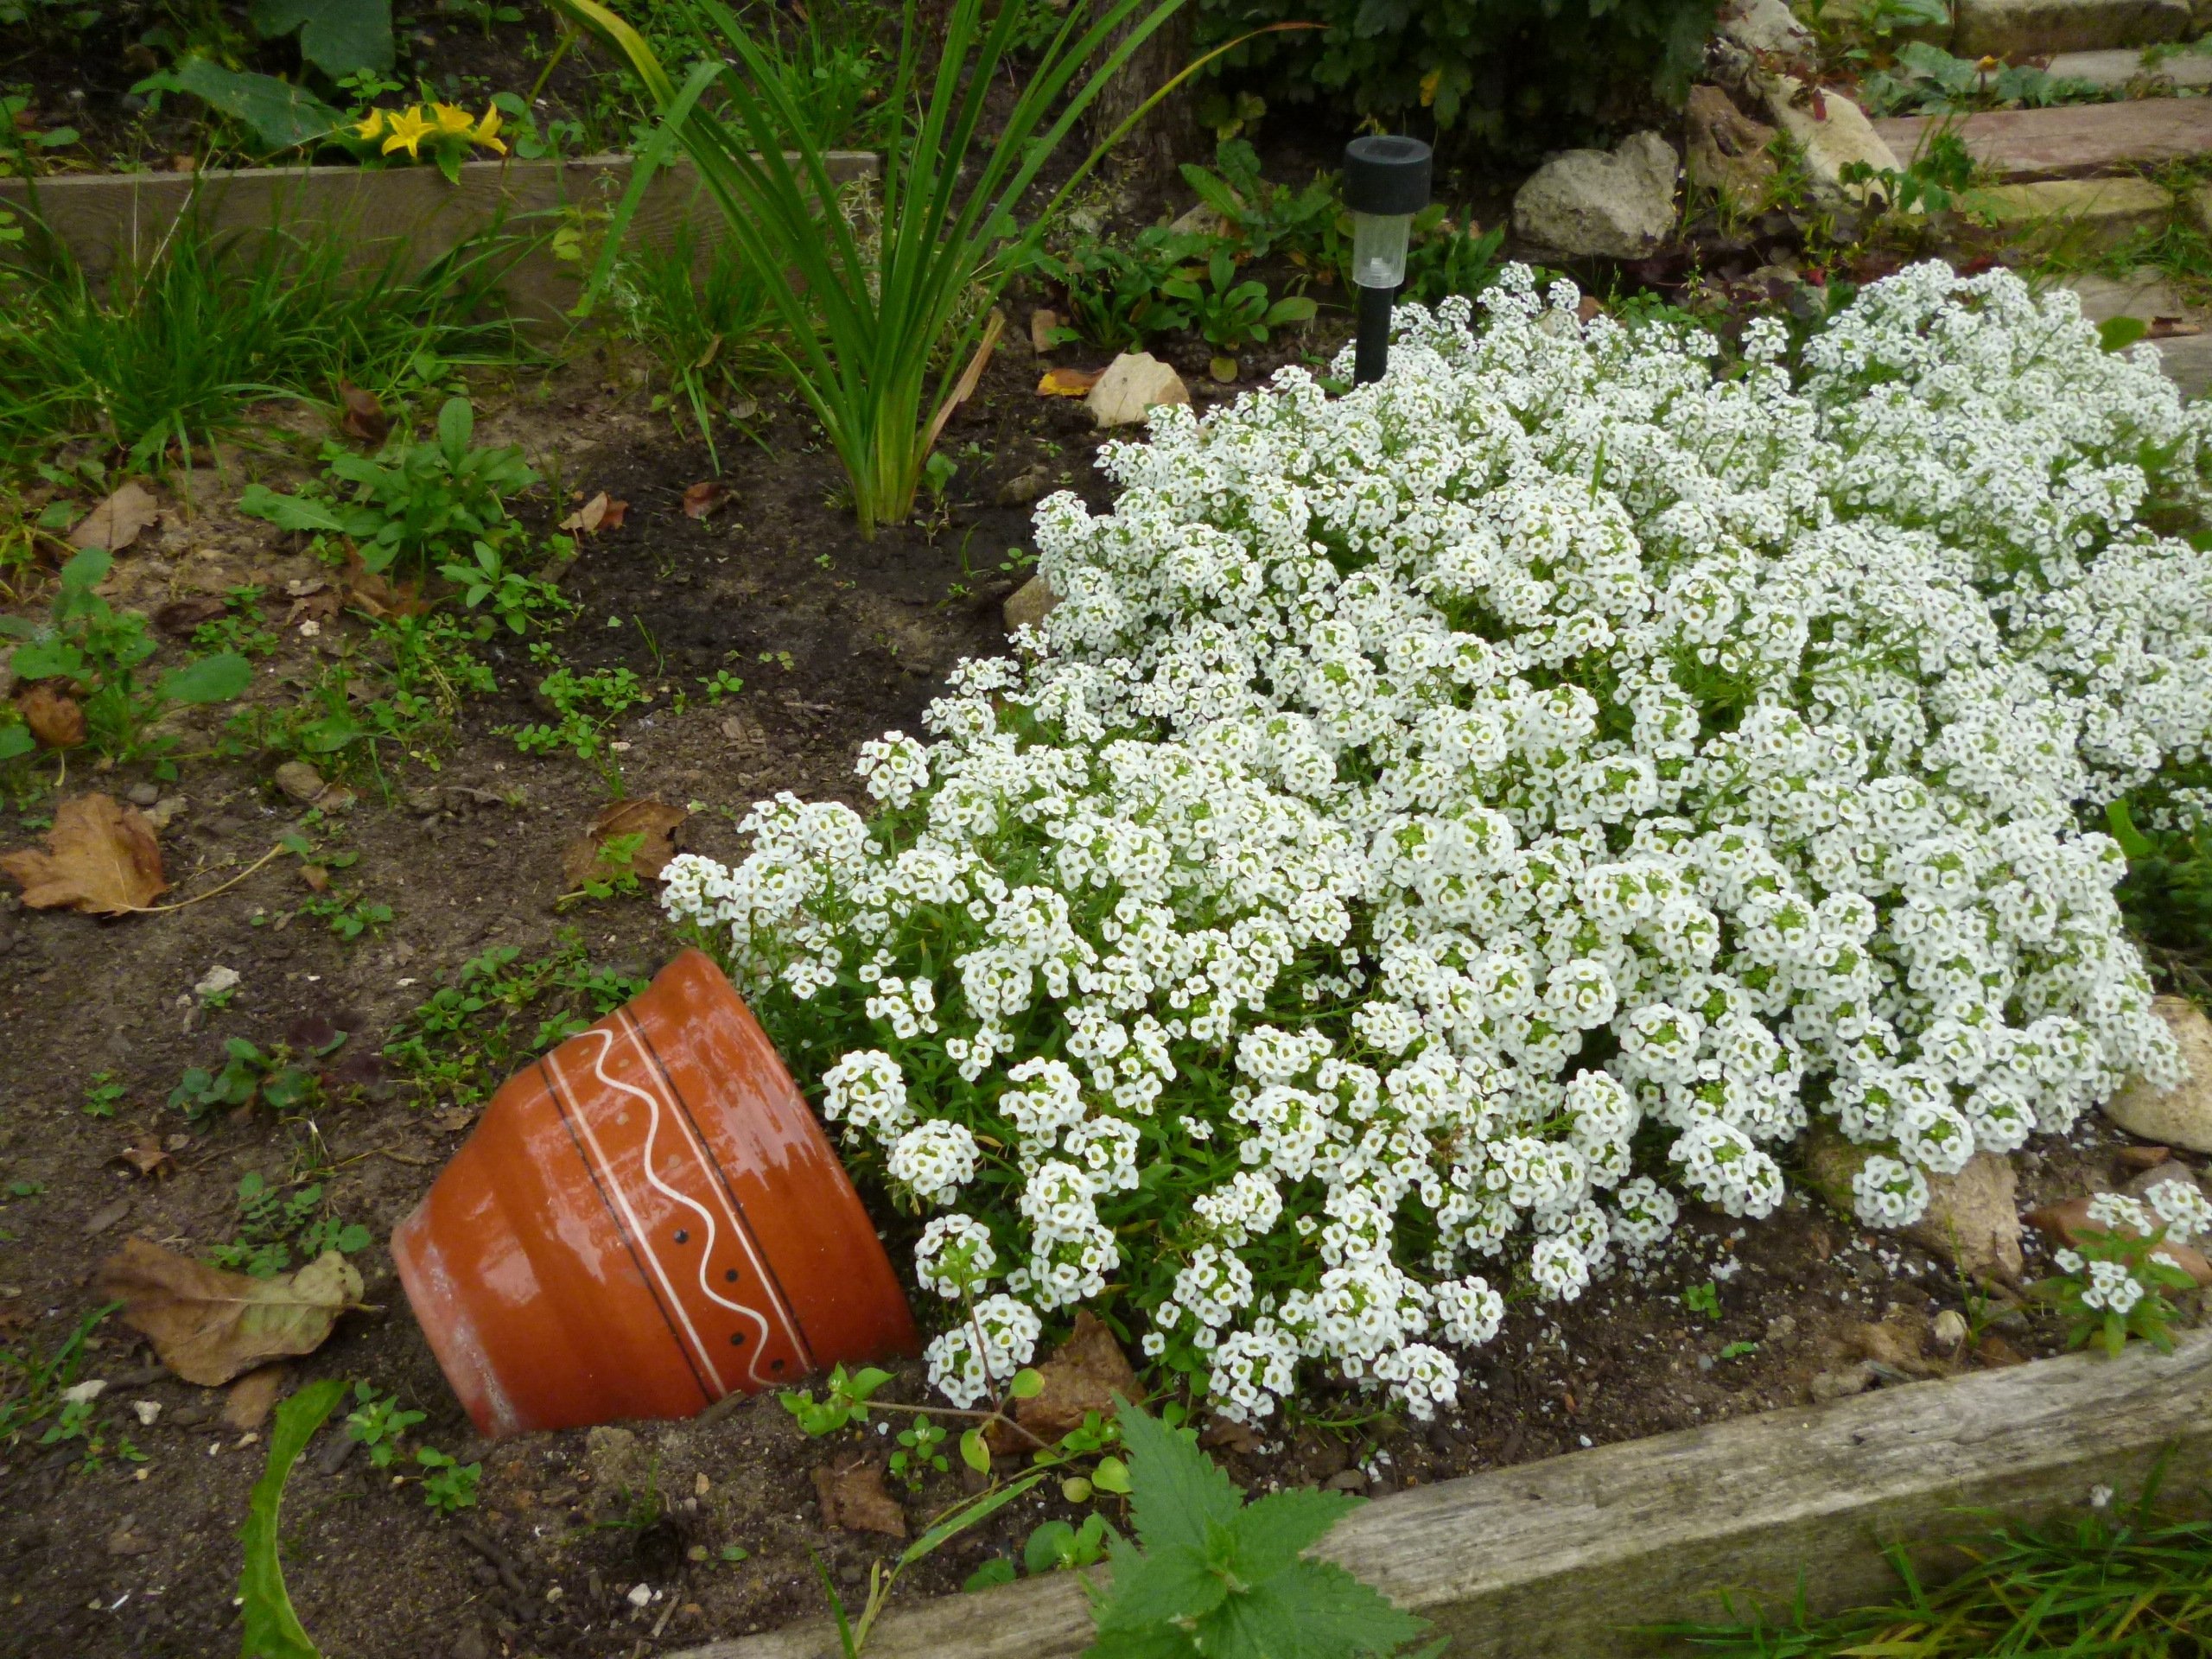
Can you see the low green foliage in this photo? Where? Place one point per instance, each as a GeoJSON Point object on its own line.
{"type": "Point", "coordinates": [450, 1486]}
{"type": "Point", "coordinates": [1231, 312]}
{"type": "Point", "coordinates": [1307, 224]}
{"type": "Point", "coordinates": [2134, 1276]}
{"type": "Point", "coordinates": [1703, 1298]}
{"type": "Point", "coordinates": [273, 1225]}
{"type": "Point", "coordinates": [1928, 80]}
{"type": "Point", "coordinates": [272, 1629]}
{"type": "Point", "coordinates": [463, 1042]}
{"type": "Point", "coordinates": [377, 1422]}
{"type": "Point", "coordinates": [1209, 1573]}
{"type": "Point", "coordinates": [277, 1077]}
{"type": "Point", "coordinates": [31, 1385]}
{"type": "Point", "coordinates": [2168, 892]}
{"type": "Point", "coordinates": [1934, 180]}
{"type": "Point", "coordinates": [96, 652]}
{"type": "Point", "coordinates": [2120, 1582]}
{"type": "Point", "coordinates": [1053, 1547]}
{"type": "Point", "coordinates": [402, 688]}
{"type": "Point", "coordinates": [103, 1094]}
{"type": "Point", "coordinates": [1116, 292]}
{"type": "Point", "coordinates": [585, 708]}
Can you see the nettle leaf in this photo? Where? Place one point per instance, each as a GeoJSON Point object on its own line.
{"type": "Point", "coordinates": [337, 36]}
{"type": "Point", "coordinates": [280, 114]}
{"type": "Point", "coordinates": [1314, 1610]}
{"type": "Point", "coordinates": [1269, 1536]}
{"type": "Point", "coordinates": [295, 512]}
{"type": "Point", "coordinates": [1178, 1489]}
{"type": "Point", "coordinates": [217, 678]}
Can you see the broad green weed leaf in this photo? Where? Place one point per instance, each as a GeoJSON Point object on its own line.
{"type": "Point", "coordinates": [1314, 1611]}
{"type": "Point", "coordinates": [272, 1630]}
{"type": "Point", "coordinates": [212, 679]}
{"type": "Point", "coordinates": [338, 37]}
{"type": "Point", "coordinates": [1269, 1533]}
{"type": "Point", "coordinates": [1178, 1487]}
{"type": "Point", "coordinates": [288, 511]}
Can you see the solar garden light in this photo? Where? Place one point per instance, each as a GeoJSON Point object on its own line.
{"type": "Point", "coordinates": [1386, 183]}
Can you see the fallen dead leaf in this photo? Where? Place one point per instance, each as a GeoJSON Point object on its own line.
{"type": "Point", "coordinates": [317, 878]}
{"type": "Point", "coordinates": [56, 719]}
{"type": "Point", "coordinates": [208, 1327]}
{"type": "Point", "coordinates": [367, 591]}
{"type": "Point", "coordinates": [597, 514]}
{"type": "Point", "coordinates": [2068, 1221]}
{"type": "Point", "coordinates": [2145, 1157]}
{"type": "Point", "coordinates": [1042, 322]}
{"type": "Point", "coordinates": [364, 419]}
{"type": "Point", "coordinates": [149, 1158]}
{"type": "Point", "coordinates": [853, 1500]}
{"type": "Point", "coordinates": [453, 1119]}
{"type": "Point", "coordinates": [702, 499]}
{"type": "Point", "coordinates": [117, 521]}
{"type": "Point", "coordinates": [100, 858]}
{"type": "Point", "coordinates": [254, 1395]}
{"type": "Point", "coordinates": [657, 821]}
{"type": "Point", "coordinates": [1082, 1375]}
{"type": "Point", "coordinates": [970, 378]}
{"type": "Point", "coordinates": [1069, 383]}
{"type": "Point", "coordinates": [181, 616]}
{"type": "Point", "coordinates": [1226, 1432]}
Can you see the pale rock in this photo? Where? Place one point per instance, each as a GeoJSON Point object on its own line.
{"type": "Point", "coordinates": [1973, 1219]}
{"type": "Point", "coordinates": [2179, 1174]}
{"type": "Point", "coordinates": [147, 1411]}
{"type": "Point", "coordinates": [1724, 150]}
{"type": "Point", "coordinates": [1200, 219]}
{"type": "Point", "coordinates": [216, 981]}
{"type": "Point", "coordinates": [1833, 132]}
{"type": "Point", "coordinates": [1133, 383]}
{"type": "Point", "coordinates": [1950, 1328]}
{"type": "Point", "coordinates": [1841, 1385]}
{"type": "Point", "coordinates": [1618, 204]}
{"type": "Point", "coordinates": [306, 785]}
{"type": "Point", "coordinates": [83, 1394]}
{"type": "Point", "coordinates": [2180, 1117]}
{"type": "Point", "coordinates": [617, 1461]}
{"type": "Point", "coordinates": [1030, 604]}
{"type": "Point", "coordinates": [1766, 26]}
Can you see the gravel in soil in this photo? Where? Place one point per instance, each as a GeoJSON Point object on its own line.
{"type": "Point", "coordinates": [649, 1537]}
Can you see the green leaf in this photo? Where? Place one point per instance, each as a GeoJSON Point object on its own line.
{"type": "Point", "coordinates": [1269, 1533]}
{"type": "Point", "coordinates": [1047, 1547]}
{"type": "Point", "coordinates": [1164, 1586]}
{"type": "Point", "coordinates": [288, 511]}
{"type": "Point", "coordinates": [280, 116]}
{"type": "Point", "coordinates": [2117, 334]}
{"type": "Point", "coordinates": [1111, 1475]}
{"type": "Point", "coordinates": [1026, 1385]}
{"type": "Point", "coordinates": [338, 37]}
{"type": "Point", "coordinates": [973, 1451]}
{"type": "Point", "coordinates": [456, 425]}
{"type": "Point", "coordinates": [1297, 309]}
{"type": "Point", "coordinates": [1178, 1489]}
{"type": "Point", "coordinates": [966, 1515]}
{"type": "Point", "coordinates": [1316, 1610]}
{"type": "Point", "coordinates": [272, 1630]}
{"type": "Point", "coordinates": [16, 741]}
{"type": "Point", "coordinates": [996, 1571]}
{"type": "Point", "coordinates": [47, 659]}
{"type": "Point", "coordinates": [218, 678]}
{"type": "Point", "coordinates": [86, 570]}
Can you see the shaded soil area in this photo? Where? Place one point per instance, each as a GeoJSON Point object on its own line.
{"type": "Point", "coordinates": [660, 1536]}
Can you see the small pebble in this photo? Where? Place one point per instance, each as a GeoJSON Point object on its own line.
{"type": "Point", "coordinates": [1950, 1327]}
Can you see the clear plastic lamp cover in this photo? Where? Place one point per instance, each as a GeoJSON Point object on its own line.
{"type": "Point", "coordinates": [1378, 248]}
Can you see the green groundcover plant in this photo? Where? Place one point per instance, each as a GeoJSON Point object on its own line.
{"type": "Point", "coordinates": [1443, 827]}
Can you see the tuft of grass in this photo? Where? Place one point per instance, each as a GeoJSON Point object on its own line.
{"type": "Point", "coordinates": [168, 351]}
{"type": "Point", "coordinates": [2128, 1581]}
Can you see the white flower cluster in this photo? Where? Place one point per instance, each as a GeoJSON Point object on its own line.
{"type": "Point", "coordinates": [1438, 820]}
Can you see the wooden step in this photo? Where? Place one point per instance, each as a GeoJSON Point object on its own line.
{"type": "Point", "coordinates": [2019, 28]}
{"type": "Point", "coordinates": [2124, 67]}
{"type": "Point", "coordinates": [2072, 141]}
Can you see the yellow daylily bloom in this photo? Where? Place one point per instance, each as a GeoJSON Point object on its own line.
{"type": "Point", "coordinates": [486, 131]}
{"type": "Point", "coordinates": [370, 125]}
{"type": "Point", "coordinates": [452, 120]}
{"type": "Point", "coordinates": [409, 129]}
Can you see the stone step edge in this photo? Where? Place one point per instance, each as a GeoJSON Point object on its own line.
{"type": "Point", "coordinates": [1564, 1558]}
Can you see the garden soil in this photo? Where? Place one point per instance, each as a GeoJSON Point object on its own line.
{"type": "Point", "coordinates": [653, 1537]}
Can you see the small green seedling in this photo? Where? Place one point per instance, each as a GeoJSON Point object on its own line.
{"type": "Point", "coordinates": [377, 1422]}
{"type": "Point", "coordinates": [450, 1486]}
{"type": "Point", "coordinates": [103, 1094]}
{"type": "Point", "coordinates": [1703, 1298]}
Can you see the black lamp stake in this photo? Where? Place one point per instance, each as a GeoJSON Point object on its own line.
{"type": "Point", "coordinates": [1386, 183]}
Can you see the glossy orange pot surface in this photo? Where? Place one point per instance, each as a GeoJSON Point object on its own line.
{"type": "Point", "coordinates": [646, 1220]}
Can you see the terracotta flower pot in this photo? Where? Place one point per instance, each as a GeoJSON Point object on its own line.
{"type": "Point", "coordinates": [644, 1221]}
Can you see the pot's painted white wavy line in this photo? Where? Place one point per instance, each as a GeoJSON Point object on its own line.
{"type": "Point", "coordinates": [739, 1230]}
{"type": "Point", "coordinates": [614, 1189]}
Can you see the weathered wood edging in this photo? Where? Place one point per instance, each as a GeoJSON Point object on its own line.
{"type": "Point", "coordinates": [1561, 1559]}
{"type": "Point", "coordinates": [103, 218]}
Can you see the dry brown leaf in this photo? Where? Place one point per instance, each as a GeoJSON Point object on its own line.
{"type": "Point", "coordinates": [597, 514]}
{"type": "Point", "coordinates": [364, 419]}
{"type": "Point", "coordinates": [254, 1395]}
{"type": "Point", "coordinates": [702, 499]}
{"type": "Point", "coordinates": [369, 592]}
{"type": "Point", "coordinates": [317, 878]}
{"type": "Point", "coordinates": [657, 821]}
{"type": "Point", "coordinates": [1069, 383]}
{"type": "Point", "coordinates": [182, 615]}
{"type": "Point", "coordinates": [1042, 322]}
{"type": "Point", "coordinates": [1227, 1434]}
{"type": "Point", "coordinates": [1082, 1375]}
{"type": "Point", "coordinates": [149, 1158]}
{"type": "Point", "coordinates": [208, 1325]}
{"type": "Point", "coordinates": [100, 857]}
{"type": "Point", "coordinates": [2068, 1221]}
{"type": "Point", "coordinates": [117, 521]}
{"type": "Point", "coordinates": [853, 1500]}
{"type": "Point", "coordinates": [56, 719]}
{"type": "Point", "coordinates": [971, 376]}
{"type": "Point", "coordinates": [2145, 1157]}
{"type": "Point", "coordinates": [318, 606]}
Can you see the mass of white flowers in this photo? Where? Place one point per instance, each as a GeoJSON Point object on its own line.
{"type": "Point", "coordinates": [1444, 823]}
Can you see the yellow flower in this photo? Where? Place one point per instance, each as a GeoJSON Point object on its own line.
{"type": "Point", "coordinates": [486, 131]}
{"type": "Point", "coordinates": [452, 121]}
{"type": "Point", "coordinates": [370, 125]}
{"type": "Point", "coordinates": [409, 129]}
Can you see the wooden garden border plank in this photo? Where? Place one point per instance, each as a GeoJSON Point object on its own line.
{"type": "Point", "coordinates": [104, 218]}
{"type": "Point", "coordinates": [1554, 1559]}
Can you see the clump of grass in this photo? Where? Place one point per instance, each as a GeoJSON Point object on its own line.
{"type": "Point", "coordinates": [2126, 1581]}
{"type": "Point", "coordinates": [168, 351]}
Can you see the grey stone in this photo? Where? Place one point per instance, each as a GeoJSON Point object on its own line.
{"type": "Point", "coordinates": [1833, 132]}
{"type": "Point", "coordinates": [2187, 360]}
{"type": "Point", "coordinates": [1030, 604]}
{"type": "Point", "coordinates": [1841, 1385]}
{"type": "Point", "coordinates": [1617, 204]}
{"type": "Point", "coordinates": [1973, 1219]}
{"type": "Point", "coordinates": [2121, 66]}
{"type": "Point", "coordinates": [1764, 26]}
{"type": "Point", "coordinates": [2177, 1174]}
{"type": "Point", "coordinates": [2180, 1117]}
{"type": "Point", "coordinates": [1724, 150]}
